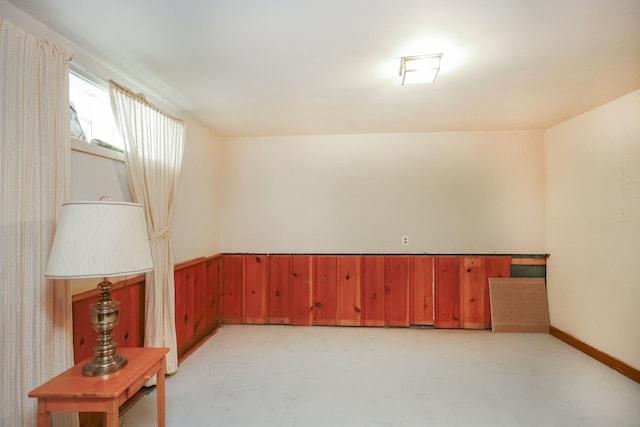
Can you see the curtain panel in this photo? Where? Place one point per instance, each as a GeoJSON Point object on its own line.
{"type": "Point", "coordinates": [36, 337]}
{"type": "Point", "coordinates": [154, 143]}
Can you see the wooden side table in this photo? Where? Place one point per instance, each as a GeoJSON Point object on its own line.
{"type": "Point", "coordinates": [71, 391]}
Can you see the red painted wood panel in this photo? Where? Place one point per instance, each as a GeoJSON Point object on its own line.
{"type": "Point", "coordinates": [325, 290]}
{"type": "Point", "coordinates": [397, 291]}
{"type": "Point", "coordinates": [213, 293]}
{"type": "Point", "coordinates": [373, 293]}
{"type": "Point", "coordinates": [130, 329]}
{"type": "Point", "coordinates": [255, 280]}
{"type": "Point", "coordinates": [421, 290]}
{"type": "Point", "coordinates": [200, 301]}
{"type": "Point", "coordinates": [497, 266]}
{"type": "Point", "coordinates": [279, 285]}
{"type": "Point", "coordinates": [232, 276]}
{"type": "Point", "coordinates": [472, 292]}
{"type": "Point", "coordinates": [184, 308]}
{"type": "Point", "coordinates": [447, 292]}
{"type": "Point", "coordinates": [349, 309]}
{"type": "Point", "coordinates": [301, 290]}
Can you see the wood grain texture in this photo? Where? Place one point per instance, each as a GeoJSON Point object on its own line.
{"type": "Point", "coordinates": [71, 391]}
{"type": "Point", "coordinates": [421, 290]}
{"type": "Point", "coordinates": [325, 290]}
{"type": "Point", "coordinates": [349, 294]}
{"type": "Point", "coordinates": [184, 308]}
{"type": "Point", "coordinates": [447, 292]}
{"type": "Point", "coordinates": [232, 276]}
{"type": "Point", "coordinates": [279, 285]}
{"type": "Point", "coordinates": [200, 302]}
{"type": "Point", "coordinates": [373, 293]}
{"type": "Point", "coordinates": [213, 312]}
{"type": "Point", "coordinates": [255, 284]}
{"type": "Point", "coordinates": [301, 290]}
{"type": "Point", "coordinates": [472, 292]}
{"type": "Point", "coordinates": [397, 291]}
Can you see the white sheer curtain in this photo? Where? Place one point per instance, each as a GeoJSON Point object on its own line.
{"type": "Point", "coordinates": [154, 144]}
{"type": "Point", "coordinates": [36, 340]}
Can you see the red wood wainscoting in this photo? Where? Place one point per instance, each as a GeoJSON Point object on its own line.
{"type": "Point", "coordinates": [197, 292]}
{"type": "Point", "coordinates": [360, 290]}
{"type": "Point", "coordinates": [197, 313]}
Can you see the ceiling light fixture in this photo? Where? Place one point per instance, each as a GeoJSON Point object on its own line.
{"type": "Point", "coordinates": [420, 68]}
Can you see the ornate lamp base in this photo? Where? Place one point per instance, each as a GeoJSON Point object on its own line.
{"type": "Point", "coordinates": [104, 317]}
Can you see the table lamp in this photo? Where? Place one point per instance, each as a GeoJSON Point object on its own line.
{"type": "Point", "coordinates": [100, 240]}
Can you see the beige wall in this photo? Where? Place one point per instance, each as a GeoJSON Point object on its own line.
{"type": "Point", "coordinates": [196, 221]}
{"type": "Point", "coordinates": [456, 192]}
{"type": "Point", "coordinates": [593, 227]}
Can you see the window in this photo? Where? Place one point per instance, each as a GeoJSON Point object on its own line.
{"type": "Point", "coordinates": [91, 115]}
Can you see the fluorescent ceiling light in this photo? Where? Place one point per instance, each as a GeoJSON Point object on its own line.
{"type": "Point", "coordinates": [420, 68]}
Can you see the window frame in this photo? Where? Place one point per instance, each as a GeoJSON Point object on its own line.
{"type": "Point", "coordinates": [84, 146]}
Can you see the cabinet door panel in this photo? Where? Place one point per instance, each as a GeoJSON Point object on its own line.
{"type": "Point", "coordinates": [279, 300]}
{"type": "Point", "coordinates": [447, 292]}
{"type": "Point", "coordinates": [497, 266]}
{"type": "Point", "coordinates": [349, 310]}
{"type": "Point", "coordinates": [373, 293]}
{"type": "Point", "coordinates": [325, 298]}
{"type": "Point", "coordinates": [255, 270]}
{"type": "Point", "coordinates": [472, 292]}
{"type": "Point", "coordinates": [397, 291]}
{"type": "Point", "coordinates": [232, 276]}
{"type": "Point", "coordinates": [301, 290]}
{"type": "Point", "coordinates": [421, 290]}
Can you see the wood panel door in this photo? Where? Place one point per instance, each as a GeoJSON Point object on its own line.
{"type": "Point", "coordinates": [447, 292]}
{"type": "Point", "coordinates": [301, 290]}
{"type": "Point", "coordinates": [497, 266]}
{"type": "Point", "coordinates": [254, 296]}
{"type": "Point", "coordinates": [325, 302]}
{"type": "Point", "coordinates": [397, 291]}
{"type": "Point", "coordinates": [349, 308]}
{"type": "Point", "coordinates": [373, 293]}
{"type": "Point", "coordinates": [472, 292]}
{"type": "Point", "coordinates": [232, 276]}
{"type": "Point", "coordinates": [421, 290]}
{"type": "Point", "coordinates": [279, 289]}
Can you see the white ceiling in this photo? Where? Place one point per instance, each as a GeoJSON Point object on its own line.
{"type": "Point", "coordinates": [292, 67]}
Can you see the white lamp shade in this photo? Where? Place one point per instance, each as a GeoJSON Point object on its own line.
{"type": "Point", "coordinates": [99, 239]}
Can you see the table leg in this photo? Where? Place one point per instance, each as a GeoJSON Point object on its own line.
{"type": "Point", "coordinates": [44, 417]}
{"type": "Point", "coordinates": [113, 414]}
{"type": "Point", "coordinates": [160, 393]}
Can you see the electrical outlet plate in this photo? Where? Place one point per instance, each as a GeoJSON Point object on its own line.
{"type": "Point", "coordinates": [405, 240]}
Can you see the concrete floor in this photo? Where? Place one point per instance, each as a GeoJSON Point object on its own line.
{"type": "Point", "coordinates": [281, 376]}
